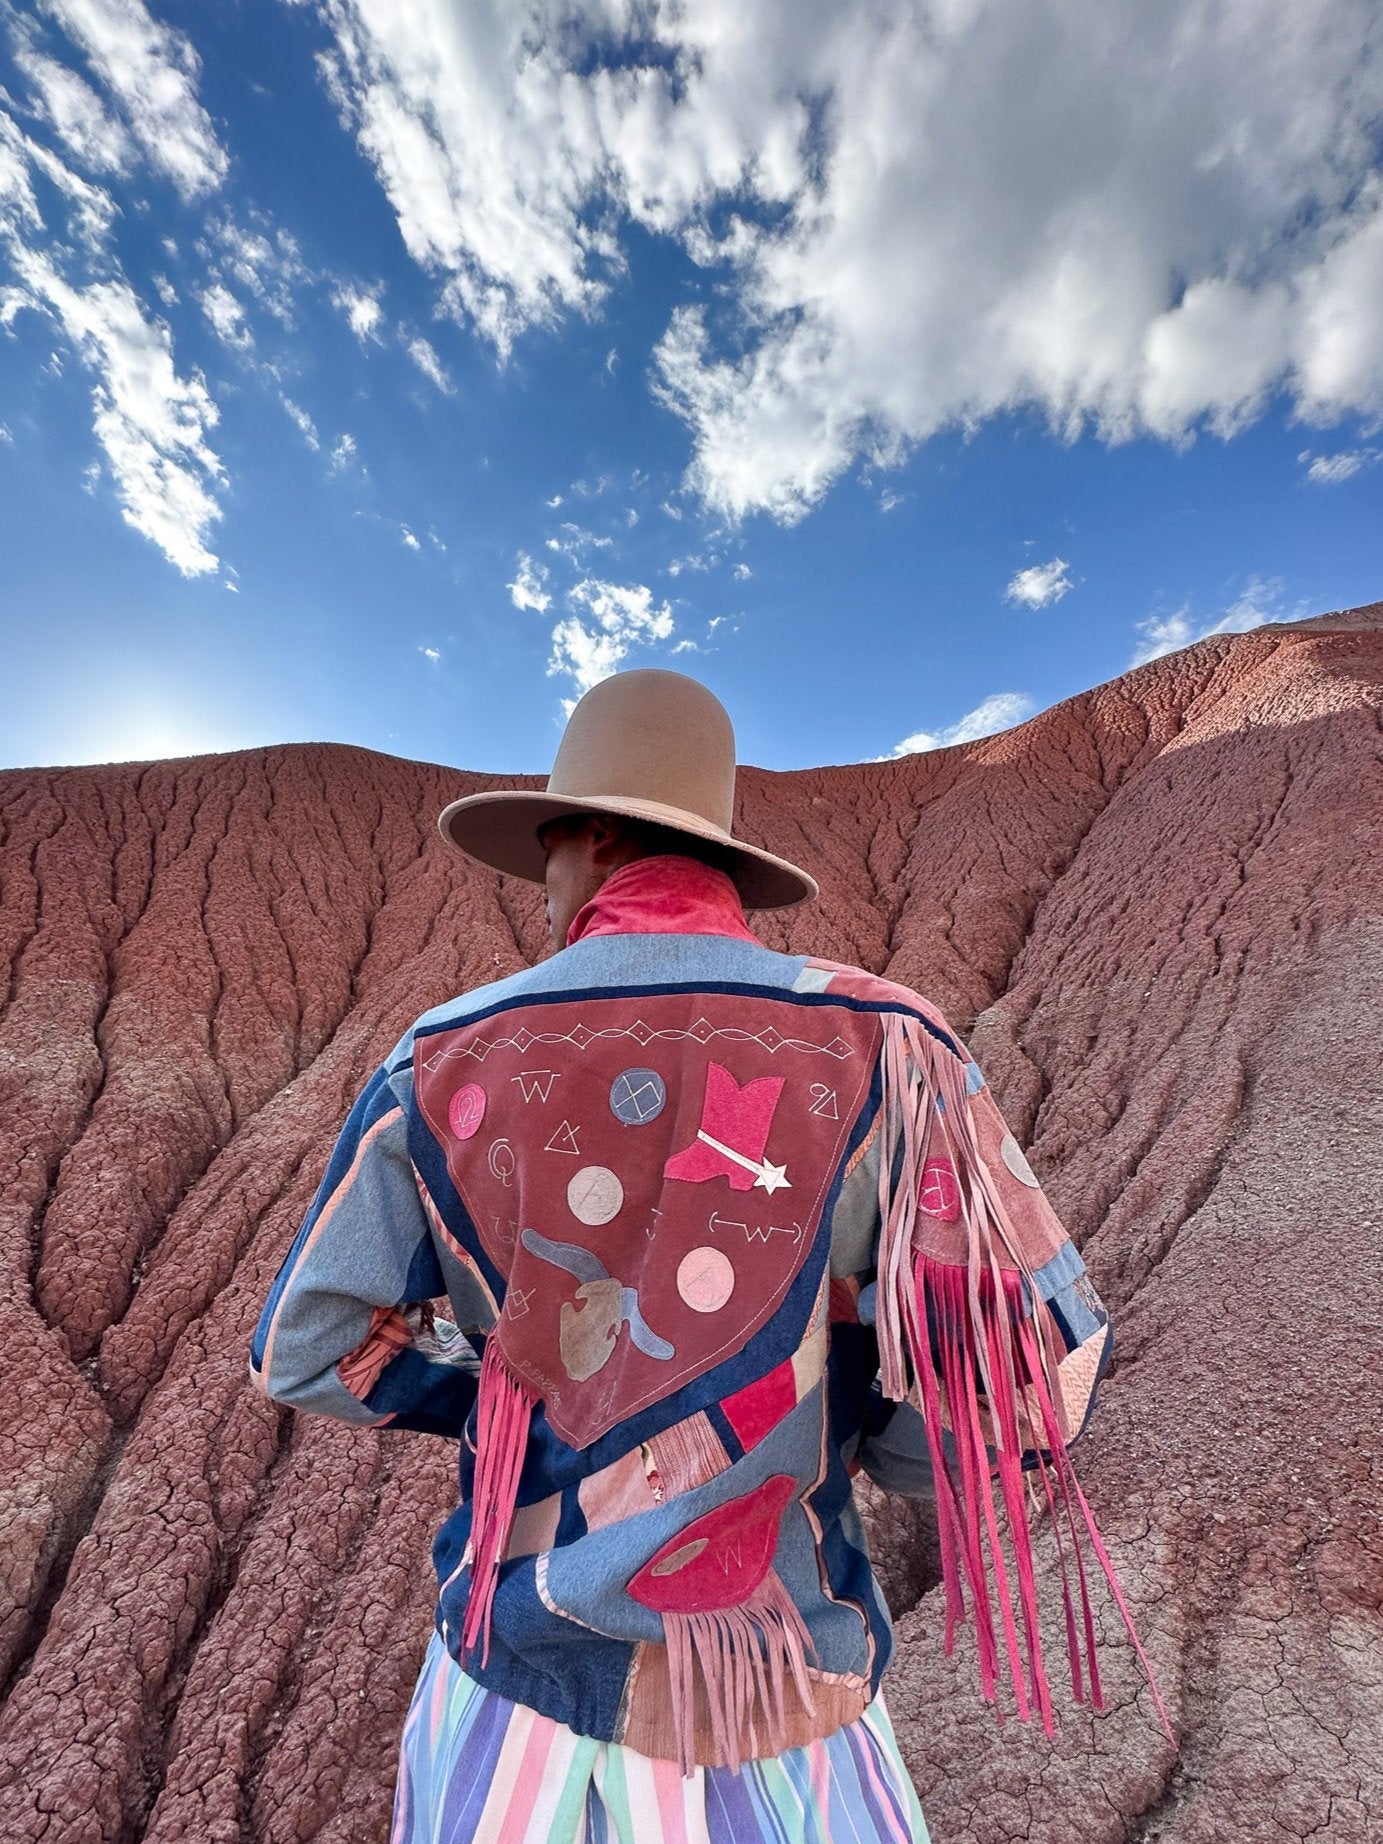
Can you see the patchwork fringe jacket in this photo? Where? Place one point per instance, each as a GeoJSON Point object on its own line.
{"type": "Point", "coordinates": [717, 1227]}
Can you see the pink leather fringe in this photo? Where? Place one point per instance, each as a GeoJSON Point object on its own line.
{"type": "Point", "coordinates": [503, 1410]}
{"type": "Point", "coordinates": [986, 1375]}
{"type": "Point", "coordinates": [742, 1655]}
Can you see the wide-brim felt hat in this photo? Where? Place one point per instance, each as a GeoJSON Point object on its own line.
{"type": "Point", "coordinates": [646, 745]}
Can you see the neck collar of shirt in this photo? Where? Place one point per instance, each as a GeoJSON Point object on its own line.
{"type": "Point", "coordinates": [665, 895]}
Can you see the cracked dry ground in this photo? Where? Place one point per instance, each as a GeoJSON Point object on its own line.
{"type": "Point", "coordinates": [1154, 912]}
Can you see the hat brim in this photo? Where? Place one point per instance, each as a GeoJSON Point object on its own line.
{"type": "Point", "coordinates": [501, 830]}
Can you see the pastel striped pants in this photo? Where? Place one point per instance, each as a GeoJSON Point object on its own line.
{"type": "Point", "coordinates": [477, 1769]}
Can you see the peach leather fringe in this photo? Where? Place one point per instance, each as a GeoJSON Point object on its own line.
{"type": "Point", "coordinates": [741, 1655]}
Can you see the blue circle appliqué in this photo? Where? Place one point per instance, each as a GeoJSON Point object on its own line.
{"type": "Point", "coordinates": [638, 1096]}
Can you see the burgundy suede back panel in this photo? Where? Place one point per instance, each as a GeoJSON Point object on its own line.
{"type": "Point", "coordinates": [649, 1173]}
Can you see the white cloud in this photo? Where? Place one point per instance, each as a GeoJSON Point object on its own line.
{"type": "Point", "coordinates": [425, 358]}
{"type": "Point", "coordinates": [304, 424]}
{"type": "Point", "coordinates": [1040, 584]}
{"type": "Point", "coordinates": [344, 453]}
{"type": "Point", "coordinates": [575, 541]}
{"type": "Point", "coordinates": [1260, 601]}
{"type": "Point", "coordinates": [266, 263]}
{"type": "Point", "coordinates": [1148, 232]}
{"type": "Point", "coordinates": [90, 208]}
{"type": "Point", "coordinates": [76, 114]}
{"type": "Point", "coordinates": [553, 503]}
{"type": "Point", "coordinates": [1163, 634]}
{"type": "Point", "coordinates": [151, 422]}
{"type": "Point", "coordinates": [413, 543]}
{"type": "Point", "coordinates": [1000, 711]}
{"type": "Point", "coordinates": [431, 654]}
{"type": "Point", "coordinates": [227, 316]}
{"type": "Point", "coordinates": [741, 573]}
{"type": "Point", "coordinates": [526, 590]}
{"type": "Point", "coordinates": [889, 501]}
{"type": "Point", "coordinates": [151, 71]}
{"type": "Point", "coordinates": [363, 312]}
{"type": "Point", "coordinates": [6, 434]}
{"type": "Point", "coordinates": [617, 617]}
{"type": "Point", "coordinates": [1330, 470]}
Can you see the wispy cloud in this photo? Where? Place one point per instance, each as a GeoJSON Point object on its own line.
{"type": "Point", "coordinates": [151, 72]}
{"type": "Point", "coordinates": [303, 423]}
{"type": "Point", "coordinates": [425, 358]}
{"type": "Point", "coordinates": [344, 454]}
{"type": "Point", "coordinates": [1330, 470]}
{"type": "Point", "coordinates": [227, 316]}
{"type": "Point", "coordinates": [90, 133]}
{"type": "Point", "coordinates": [432, 655]}
{"type": "Point", "coordinates": [364, 315]}
{"type": "Point", "coordinates": [575, 542]}
{"type": "Point", "coordinates": [526, 590]}
{"type": "Point", "coordinates": [1040, 584]}
{"type": "Point", "coordinates": [612, 617]}
{"type": "Point", "coordinates": [1261, 600]}
{"type": "Point", "coordinates": [1000, 711]}
{"type": "Point", "coordinates": [411, 541]}
{"type": "Point", "coordinates": [151, 421]}
{"type": "Point", "coordinates": [262, 260]}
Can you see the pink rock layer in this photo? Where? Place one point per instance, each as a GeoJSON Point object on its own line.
{"type": "Point", "coordinates": [1155, 912]}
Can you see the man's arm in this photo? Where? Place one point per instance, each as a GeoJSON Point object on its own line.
{"type": "Point", "coordinates": [346, 1330]}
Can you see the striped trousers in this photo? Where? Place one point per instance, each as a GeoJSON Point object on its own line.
{"type": "Point", "coordinates": [477, 1769]}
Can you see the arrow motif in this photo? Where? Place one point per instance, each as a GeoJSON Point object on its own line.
{"type": "Point", "coordinates": [770, 1177]}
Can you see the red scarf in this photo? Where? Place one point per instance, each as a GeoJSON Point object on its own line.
{"type": "Point", "coordinates": [665, 895]}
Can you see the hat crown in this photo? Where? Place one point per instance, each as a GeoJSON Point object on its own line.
{"type": "Point", "coordinates": [654, 736]}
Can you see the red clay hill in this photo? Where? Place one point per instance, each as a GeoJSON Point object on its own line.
{"type": "Point", "coordinates": [1155, 912]}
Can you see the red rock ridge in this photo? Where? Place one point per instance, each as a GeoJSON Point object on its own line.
{"type": "Point", "coordinates": [1155, 912]}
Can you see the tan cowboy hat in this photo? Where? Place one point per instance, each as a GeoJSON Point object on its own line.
{"type": "Point", "coordinates": [652, 745]}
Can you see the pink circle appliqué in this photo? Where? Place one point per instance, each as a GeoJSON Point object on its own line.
{"type": "Point", "coordinates": [705, 1279]}
{"type": "Point", "coordinates": [467, 1110]}
{"type": "Point", "coordinates": [940, 1194]}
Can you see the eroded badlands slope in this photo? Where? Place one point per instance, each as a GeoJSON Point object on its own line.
{"type": "Point", "coordinates": [1155, 910]}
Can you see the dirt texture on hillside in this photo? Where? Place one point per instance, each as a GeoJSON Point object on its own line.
{"type": "Point", "coordinates": [1155, 913]}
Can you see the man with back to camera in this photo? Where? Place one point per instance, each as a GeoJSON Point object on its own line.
{"type": "Point", "coordinates": [725, 1225]}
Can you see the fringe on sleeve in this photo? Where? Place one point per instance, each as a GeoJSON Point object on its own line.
{"type": "Point", "coordinates": [963, 1333]}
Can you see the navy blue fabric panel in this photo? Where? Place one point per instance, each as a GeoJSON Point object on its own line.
{"type": "Point", "coordinates": [424, 1279]}
{"type": "Point", "coordinates": [538, 1658]}
{"type": "Point", "coordinates": [852, 1366]}
{"type": "Point", "coordinates": [725, 1434]}
{"type": "Point", "coordinates": [423, 1395]}
{"type": "Point", "coordinates": [571, 1519]}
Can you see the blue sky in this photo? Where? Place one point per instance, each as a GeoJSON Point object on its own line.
{"type": "Point", "coordinates": [386, 373]}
